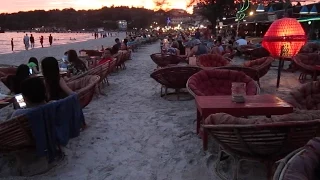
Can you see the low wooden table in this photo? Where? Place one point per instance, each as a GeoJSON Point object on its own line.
{"type": "Point", "coordinates": [265, 105]}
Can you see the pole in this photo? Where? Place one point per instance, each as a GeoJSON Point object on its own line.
{"type": "Point", "coordinates": [280, 66]}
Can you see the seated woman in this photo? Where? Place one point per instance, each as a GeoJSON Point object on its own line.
{"type": "Point", "coordinates": [124, 45]}
{"type": "Point", "coordinates": [106, 57]}
{"type": "Point", "coordinates": [34, 95]}
{"type": "Point", "coordinates": [33, 65]}
{"type": "Point", "coordinates": [14, 81]}
{"type": "Point", "coordinates": [76, 66]}
{"type": "Point", "coordinates": [56, 86]}
{"type": "Point", "coordinates": [174, 49]}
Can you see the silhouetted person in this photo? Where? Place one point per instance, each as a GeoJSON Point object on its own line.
{"type": "Point", "coordinates": [12, 45]}
{"type": "Point", "coordinates": [26, 41]}
{"type": "Point", "coordinates": [32, 41]}
{"type": "Point", "coordinates": [50, 40]}
{"type": "Point", "coordinates": [41, 41]}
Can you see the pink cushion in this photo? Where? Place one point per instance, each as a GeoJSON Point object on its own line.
{"type": "Point", "coordinates": [212, 60]}
{"type": "Point", "coordinates": [218, 82]}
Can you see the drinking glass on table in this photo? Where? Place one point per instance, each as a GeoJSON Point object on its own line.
{"type": "Point", "coordinates": [238, 91]}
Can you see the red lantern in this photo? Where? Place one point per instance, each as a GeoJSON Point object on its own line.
{"type": "Point", "coordinates": [284, 38]}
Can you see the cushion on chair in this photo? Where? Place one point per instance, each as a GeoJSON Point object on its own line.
{"type": "Point", "coordinates": [297, 115]}
{"type": "Point", "coordinates": [306, 97]}
{"type": "Point", "coordinates": [305, 166]}
{"type": "Point", "coordinates": [212, 60]}
{"type": "Point", "coordinates": [219, 82]}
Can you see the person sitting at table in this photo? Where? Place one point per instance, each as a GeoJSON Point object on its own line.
{"type": "Point", "coordinates": [76, 66]}
{"type": "Point", "coordinates": [220, 49]}
{"type": "Point", "coordinates": [33, 91]}
{"type": "Point", "coordinates": [106, 57]}
{"type": "Point", "coordinates": [56, 86]}
{"type": "Point", "coordinates": [33, 65]}
{"type": "Point", "coordinates": [14, 81]}
{"type": "Point", "coordinates": [198, 48]}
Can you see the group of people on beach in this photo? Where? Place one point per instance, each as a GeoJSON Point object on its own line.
{"type": "Point", "coordinates": [53, 86]}
{"type": "Point", "coordinates": [27, 41]}
{"type": "Point", "coordinates": [188, 45]}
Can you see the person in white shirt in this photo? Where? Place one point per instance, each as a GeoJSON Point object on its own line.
{"type": "Point", "coordinates": [26, 41]}
{"type": "Point", "coordinates": [242, 41]}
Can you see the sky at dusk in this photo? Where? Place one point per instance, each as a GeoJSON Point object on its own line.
{"type": "Point", "coordinates": [26, 5]}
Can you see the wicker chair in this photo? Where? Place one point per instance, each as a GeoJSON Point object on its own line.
{"type": "Point", "coordinates": [84, 87]}
{"type": "Point", "coordinates": [307, 64]}
{"type": "Point", "coordinates": [218, 82]}
{"type": "Point", "coordinates": [259, 53]}
{"type": "Point", "coordinates": [16, 135]}
{"type": "Point", "coordinates": [163, 60]}
{"type": "Point", "coordinates": [174, 77]}
{"type": "Point", "coordinates": [245, 49]}
{"type": "Point", "coordinates": [212, 60]}
{"type": "Point", "coordinates": [259, 141]}
{"type": "Point", "coordinates": [310, 48]}
{"type": "Point", "coordinates": [91, 52]}
{"type": "Point", "coordinates": [5, 71]}
{"type": "Point", "coordinates": [302, 163]}
{"type": "Point", "coordinates": [261, 65]}
{"type": "Point", "coordinates": [230, 56]}
{"type": "Point", "coordinates": [305, 97]}
{"type": "Point", "coordinates": [105, 72]}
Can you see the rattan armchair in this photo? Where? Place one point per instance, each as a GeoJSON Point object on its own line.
{"type": "Point", "coordinates": [307, 63]}
{"type": "Point", "coordinates": [263, 142]}
{"type": "Point", "coordinates": [174, 77]}
{"type": "Point", "coordinates": [16, 135]}
{"type": "Point", "coordinates": [5, 71]}
{"type": "Point", "coordinates": [218, 82]}
{"type": "Point", "coordinates": [306, 97]}
{"type": "Point", "coordinates": [91, 52]}
{"type": "Point", "coordinates": [261, 65]}
{"type": "Point", "coordinates": [163, 60]}
{"type": "Point", "coordinates": [85, 88]}
{"type": "Point", "coordinates": [212, 60]}
{"type": "Point", "coordinates": [302, 163]}
{"type": "Point", "coordinates": [259, 53]}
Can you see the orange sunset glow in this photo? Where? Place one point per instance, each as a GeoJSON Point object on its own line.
{"type": "Point", "coordinates": [26, 5]}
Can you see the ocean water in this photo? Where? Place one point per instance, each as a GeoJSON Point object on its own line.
{"type": "Point", "coordinates": [58, 38]}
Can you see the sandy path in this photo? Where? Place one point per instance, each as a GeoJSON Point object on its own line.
{"type": "Point", "coordinates": [135, 134]}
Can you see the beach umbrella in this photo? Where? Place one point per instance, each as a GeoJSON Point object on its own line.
{"type": "Point", "coordinates": [304, 10]}
{"type": "Point", "coordinates": [314, 10]}
{"type": "Point", "coordinates": [284, 39]}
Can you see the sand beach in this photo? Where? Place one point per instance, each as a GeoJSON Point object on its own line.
{"type": "Point", "coordinates": [133, 133]}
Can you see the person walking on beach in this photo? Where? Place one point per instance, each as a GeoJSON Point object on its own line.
{"type": "Point", "coordinates": [50, 40]}
{"type": "Point", "coordinates": [32, 41]}
{"type": "Point", "coordinates": [26, 41]}
{"type": "Point", "coordinates": [12, 45]}
{"type": "Point", "coordinates": [41, 41]}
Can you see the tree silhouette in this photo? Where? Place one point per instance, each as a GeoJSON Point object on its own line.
{"type": "Point", "coordinates": [106, 17]}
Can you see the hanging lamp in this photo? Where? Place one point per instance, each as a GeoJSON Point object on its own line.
{"type": "Point", "coordinates": [260, 8]}
{"type": "Point", "coordinates": [304, 10]}
{"type": "Point", "coordinates": [313, 10]}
